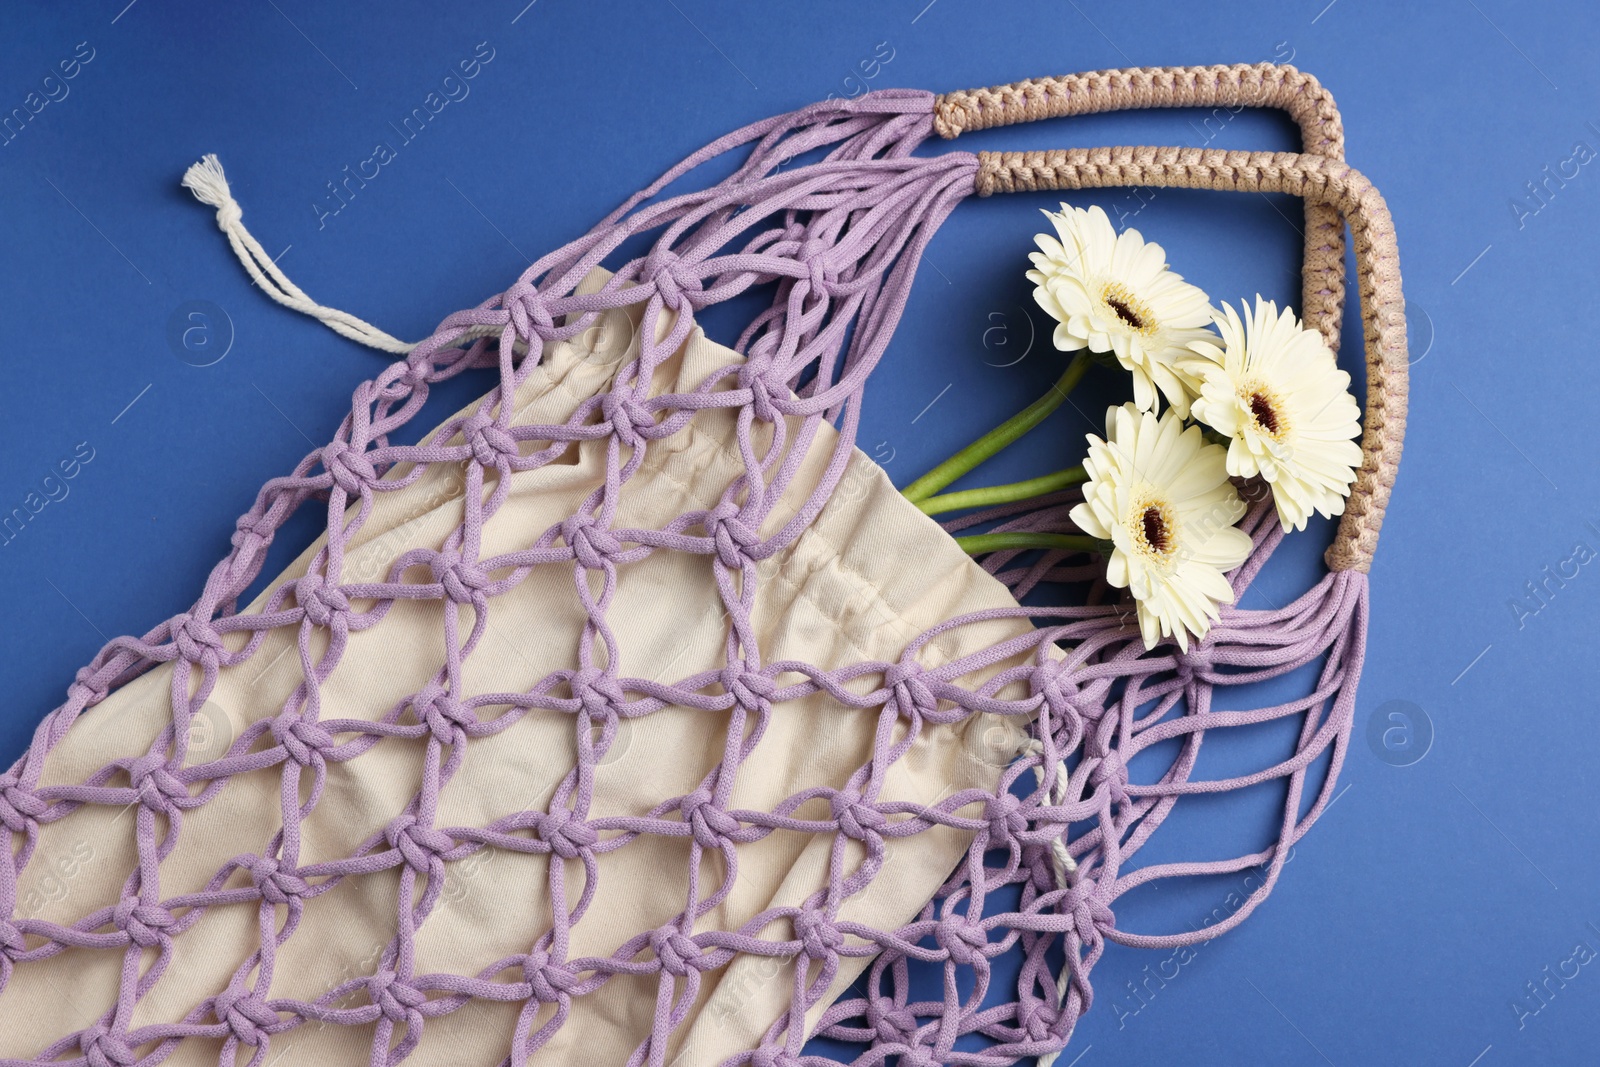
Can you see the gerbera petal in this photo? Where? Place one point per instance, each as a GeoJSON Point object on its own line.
{"type": "Point", "coordinates": [1114, 293]}
{"type": "Point", "coordinates": [1277, 392]}
{"type": "Point", "coordinates": [1160, 492]}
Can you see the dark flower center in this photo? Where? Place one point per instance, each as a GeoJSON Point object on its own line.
{"type": "Point", "coordinates": [1156, 534]}
{"type": "Point", "coordinates": [1125, 313]}
{"type": "Point", "coordinates": [1265, 414]}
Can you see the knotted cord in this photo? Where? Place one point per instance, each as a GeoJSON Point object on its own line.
{"type": "Point", "coordinates": [839, 242]}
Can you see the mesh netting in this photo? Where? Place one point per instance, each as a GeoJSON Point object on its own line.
{"type": "Point", "coordinates": [1046, 850]}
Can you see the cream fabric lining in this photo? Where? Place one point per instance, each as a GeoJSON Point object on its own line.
{"type": "Point", "coordinates": [869, 574]}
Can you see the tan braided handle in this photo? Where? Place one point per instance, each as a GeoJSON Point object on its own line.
{"type": "Point", "coordinates": [1266, 85]}
{"type": "Point", "coordinates": [1318, 179]}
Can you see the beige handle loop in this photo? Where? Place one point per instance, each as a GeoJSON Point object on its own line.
{"type": "Point", "coordinates": [1318, 179]}
{"type": "Point", "coordinates": [1243, 85]}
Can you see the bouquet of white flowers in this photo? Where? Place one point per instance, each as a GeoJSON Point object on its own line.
{"type": "Point", "coordinates": [1257, 397]}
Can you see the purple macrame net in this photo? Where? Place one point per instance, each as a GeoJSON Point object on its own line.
{"type": "Point", "coordinates": [841, 239]}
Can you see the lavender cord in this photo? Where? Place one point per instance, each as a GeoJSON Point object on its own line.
{"type": "Point", "coordinates": [841, 238]}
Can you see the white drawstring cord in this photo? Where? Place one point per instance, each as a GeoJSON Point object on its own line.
{"type": "Point", "coordinates": [210, 186]}
{"type": "Point", "coordinates": [1060, 860]}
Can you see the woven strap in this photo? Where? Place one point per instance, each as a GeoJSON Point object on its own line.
{"type": "Point", "coordinates": [1317, 179]}
{"type": "Point", "coordinates": [1266, 85]}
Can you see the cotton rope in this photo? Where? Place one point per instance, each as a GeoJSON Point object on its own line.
{"type": "Point", "coordinates": [837, 242]}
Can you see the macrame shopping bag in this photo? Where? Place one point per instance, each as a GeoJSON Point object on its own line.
{"type": "Point", "coordinates": [610, 723]}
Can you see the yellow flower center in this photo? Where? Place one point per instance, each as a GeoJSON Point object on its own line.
{"type": "Point", "coordinates": [1154, 532]}
{"type": "Point", "coordinates": [1133, 312]}
{"type": "Point", "coordinates": [1266, 411]}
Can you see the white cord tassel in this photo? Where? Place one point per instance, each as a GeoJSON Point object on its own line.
{"type": "Point", "coordinates": [1061, 862]}
{"type": "Point", "coordinates": [210, 186]}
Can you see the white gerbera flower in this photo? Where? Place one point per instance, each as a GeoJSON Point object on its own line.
{"type": "Point", "coordinates": [1114, 293]}
{"type": "Point", "coordinates": [1160, 493]}
{"type": "Point", "coordinates": [1275, 388]}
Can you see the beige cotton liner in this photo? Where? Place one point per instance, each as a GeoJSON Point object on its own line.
{"type": "Point", "coordinates": [870, 574]}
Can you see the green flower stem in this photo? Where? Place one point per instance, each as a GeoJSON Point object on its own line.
{"type": "Point", "coordinates": [1004, 494]}
{"type": "Point", "coordinates": [978, 544]}
{"type": "Point", "coordinates": [999, 437]}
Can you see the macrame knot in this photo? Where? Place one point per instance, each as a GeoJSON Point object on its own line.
{"type": "Point", "coordinates": [303, 741]}
{"type": "Point", "coordinates": [907, 683]}
{"type": "Point", "coordinates": [709, 825]}
{"type": "Point", "coordinates": [676, 281]}
{"type": "Point", "coordinates": [19, 807]}
{"type": "Point", "coordinates": [1058, 687]}
{"type": "Point", "coordinates": [463, 582]}
{"type": "Point", "coordinates": [821, 273]}
{"type": "Point", "coordinates": [276, 885]}
{"type": "Point", "coordinates": [445, 717]}
{"type": "Point", "coordinates": [549, 981]}
{"type": "Point", "coordinates": [1006, 818]}
{"type": "Point", "coordinates": [530, 315]}
{"type": "Point", "coordinates": [1088, 911]}
{"type": "Point", "coordinates": [418, 372]}
{"type": "Point", "coordinates": [350, 470]}
{"type": "Point", "coordinates": [819, 938]}
{"type": "Point", "coordinates": [679, 955]}
{"type": "Point", "coordinates": [761, 405]}
{"type": "Point", "coordinates": [894, 1024]}
{"type": "Point", "coordinates": [1195, 664]}
{"type": "Point", "coordinates": [750, 689]}
{"type": "Point", "coordinates": [396, 999]}
{"type": "Point", "coordinates": [965, 940]}
{"type": "Point", "coordinates": [102, 1048]}
{"type": "Point", "coordinates": [157, 787]}
{"type": "Point", "coordinates": [856, 818]}
{"type": "Point", "coordinates": [630, 420]}
{"type": "Point", "coordinates": [145, 924]}
{"type": "Point", "coordinates": [320, 601]}
{"type": "Point", "coordinates": [591, 543]}
{"type": "Point", "coordinates": [12, 943]}
{"type": "Point", "coordinates": [245, 1014]}
{"type": "Point", "coordinates": [252, 529]}
{"type": "Point", "coordinates": [1111, 774]}
{"type": "Point", "coordinates": [195, 639]}
{"type": "Point", "coordinates": [597, 692]}
{"type": "Point", "coordinates": [88, 684]}
{"type": "Point", "coordinates": [422, 847]}
{"type": "Point", "coordinates": [753, 376]}
{"type": "Point", "coordinates": [491, 444]}
{"type": "Point", "coordinates": [731, 537]}
{"type": "Point", "coordinates": [1037, 1018]}
{"type": "Point", "coordinates": [567, 835]}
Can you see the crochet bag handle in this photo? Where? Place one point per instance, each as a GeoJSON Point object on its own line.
{"type": "Point", "coordinates": [1264, 85]}
{"type": "Point", "coordinates": [1324, 181]}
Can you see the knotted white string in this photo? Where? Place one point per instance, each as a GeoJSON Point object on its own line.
{"type": "Point", "coordinates": [210, 186]}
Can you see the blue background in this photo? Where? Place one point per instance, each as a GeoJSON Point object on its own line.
{"type": "Point", "coordinates": [1459, 861]}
